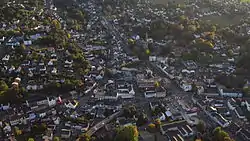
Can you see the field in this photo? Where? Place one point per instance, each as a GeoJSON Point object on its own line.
{"type": "Point", "coordinates": [223, 20]}
{"type": "Point", "coordinates": [220, 20]}
{"type": "Point", "coordinates": [166, 1]}
{"type": "Point", "coordinates": [245, 0]}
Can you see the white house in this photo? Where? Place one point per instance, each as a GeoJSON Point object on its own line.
{"type": "Point", "coordinates": [27, 43]}
{"type": "Point", "coordinates": [35, 36]}
{"type": "Point", "coordinates": [54, 71]}
{"type": "Point", "coordinates": [152, 58]}
{"type": "Point", "coordinates": [16, 121]}
{"type": "Point", "coordinates": [230, 59]}
{"type": "Point", "coordinates": [56, 120]}
{"type": "Point", "coordinates": [51, 101]}
{"type": "Point", "coordinates": [188, 71]}
{"type": "Point", "coordinates": [2, 39]}
{"type": "Point", "coordinates": [220, 120]}
{"type": "Point", "coordinates": [231, 103]}
{"type": "Point", "coordinates": [150, 94]}
{"type": "Point", "coordinates": [68, 62]}
{"type": "Point", "coordinates": [126, 92]}
{"type": "Point", "coordinates": [50, 63]}
{"type": "Point", "coordinates": [42, 102]}
{"type": "Point", "coordinates": [186, 86]}
{"type": "Point", "coordinates": [65, 133]}
{"type": "Point", "coordinates": [71, 104]}
{"type": "Point", "coordinates": [43, 69]}
{"type": "Point", "coordinates": [5, 107]}
{"type": "Point", "coordinates": [156, 92]}
{"type": "Point", "coordinates": [6, 58]}
{"type": "Point", "coordinates": [230, 93]}
{"type": "Point", "coordinates": [13, 44]}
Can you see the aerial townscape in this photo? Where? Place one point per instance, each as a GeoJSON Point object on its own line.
{"type": "Point", "coordinates": [124, 70]}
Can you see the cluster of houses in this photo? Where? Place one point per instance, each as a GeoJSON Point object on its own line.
{"type": "Point", "coordinates": [149, 85]}
{"type": "Point", "coordinates": [177, 125]}
{"type": "Point", "coordinates": [226, 112]}
{"type": "Point", "coordinates": [116, 89]}
{"type": "Point", "coordinates": [36, 70]}
{"type": "Point", "coordinates": [189, 76]}
{"type": "Point", "coordinates": [50, 111]}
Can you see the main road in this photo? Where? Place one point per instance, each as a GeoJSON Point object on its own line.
{"type": "Point", "coordinates": [99, 125]}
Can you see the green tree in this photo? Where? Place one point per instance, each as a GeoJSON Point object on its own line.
{"type": "Point", "coordinates": [230, 52]}
{"type": "Point", "coordinates": [213, 28]}
{"type": "Point", "coordinates": [56, 139]}
{"type": "Point", "coordinates": [157, 123]}
{"type": "Point", "coordinates": [56, 24]}
{"type": "Point", "coordinates": [130, 111]}
{"type": "Point", "coordinates": [127, 133]}
{"type": "Point", "coordinates": [151, 127]}
{"type": "Point", "coordinates": [142, 119]}
{"type": "Point", "coordinates": [192, 28]}
{"type": "Point", "coordinates": [84, 137]}
{"type": "Point", "coordinates": [220, 135]}
{"type": "Point", "coordinates": [3, 87]}
{"type": "Point", "coordinates": [201, 127]}
{"type": "Point", "coordinates": [31, 139]}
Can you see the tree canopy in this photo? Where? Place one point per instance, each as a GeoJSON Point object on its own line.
{"type": "Point", "coordinates": [127, 133]}
{"type": "Point", "coordinates": [221, 135]}
{"type": "Point", "coordinates": [201, 127]}
{"type": "Point", "coordinates": [3, 87]}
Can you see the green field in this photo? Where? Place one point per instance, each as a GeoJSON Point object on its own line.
{"type": "Point", "coordinates": [245, 0]}
{"type": "Point", "coordinates": [223, 20]}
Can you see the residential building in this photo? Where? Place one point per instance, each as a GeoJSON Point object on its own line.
{"type": "Point", "coordinates": [185, 86]}
{"type": "Point", "coordinates": [218, 118]}
{"type": "Point", "coordinates": [65, 133]}
{"type": "Point", "coordinates": [239, 113]}
{"type": "Point", "coordinates": [124, 89]}
{"type": "Point", "coordinates": [230, 93]}
{"type": "Point", "coordinates": [231, 103]}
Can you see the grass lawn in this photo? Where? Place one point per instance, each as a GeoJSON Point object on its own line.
{"type": "Point", "coordinates": [223, 20]}
{"type": "Point", "coordinates": [245, 0]}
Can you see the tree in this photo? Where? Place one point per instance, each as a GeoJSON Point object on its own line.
{"type": "Point", "coordinates": [18, 131]}
{"type": "Point", "coordinates": [213, 28]}
{"type": "Point", "coordinates": [151, 127]}
{"type": "Point", "coordinates": [127, 133]}
{"type": "Point", "coordinates": [182, 18]}
{"type": "Point", "coordinates": [130, 111]}
{"type": "Point", "coordinates": [142, 119]}
{"type": "Point", "coordinates": [147, 52]}
{"type": "Point", "coordinates": [56, 139]}
{"type": "Point", "coordinates": [56, 24]}
{"type": "Point", "coordinates": [31, 139]}
{"type": "Point", "coordinates": [84, 137]}
{"type": "Point", "coordinates": [157, 84]}
{"type": "Point", "coordinates": [221, 135]}
{"type": "Point", "coordinates": [157, 122]}
{"type": "Point", "coordinates": [201, 127]}
{"type": "Point", "coordinates": [192, 28]}
{"type": "Point", "coordinates": [246, 90]}
{"type": "Point", "coordinates": [3, 87]}
{"type": "Point", "coordinates": [230, 52]}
